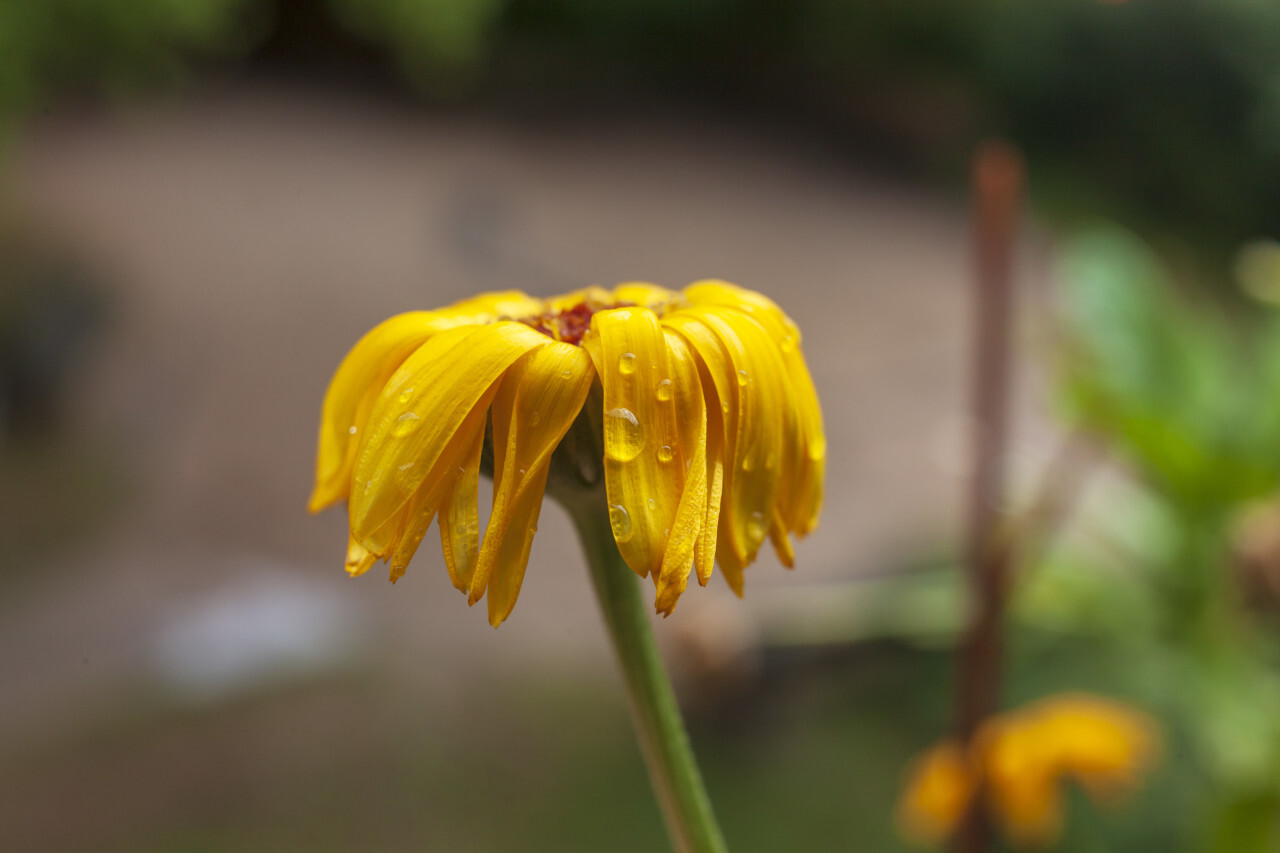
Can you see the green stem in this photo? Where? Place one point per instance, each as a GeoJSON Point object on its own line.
{"type": "Point", "coordinates": [673, 771]}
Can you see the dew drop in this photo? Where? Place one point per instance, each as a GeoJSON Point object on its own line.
{"type": "Point", "coordinates": [627, 363]}
{"type": "Point", "coordinates": [406, 395]}
{"type": "Point", "coordinates": [566, 374]}
{"type": "Point", "coordinates": [535, 418]}
{"type": "Point", "coordinates": [665, 453]}
{"type": "Point", "coordinates": [755, 526]}
{"type": "Point", "coordinates": [523, 471]}
{"type": "Point", "coordinates": [405, 424]}
{"type": "Point", "coordinates": [788, 343]}
{"type": "Point", "coordinates": [623, 435]}
{"type": "Point", "coordinates": [743, 378]}
{"type": "Point", "coordinates": [749, 462]}
{"type": "Point", "coordinates": [620, 520]}
{"type": "Point", "coordinates": [352, 430]}
{"type": "Point", "coordinates": [724, 406]}
{"type": "Point", "coordinates": [406, 466]}
{"type": "Point", "coordinates": [368, 484]}
{"type": "Point", "coordinates": [664, 390]}
{"type": "Point", "coordinates": [653, 504]}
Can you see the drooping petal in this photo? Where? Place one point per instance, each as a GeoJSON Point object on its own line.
{"type": "Point", "coordinates": [352, 393]}
{"type": "Point", "coordinates": [802, 495]}
{"type": "Point", "coordinates": [419, 411]}
{"type": "Point", "coordinates": [643, 474]}
{"type": "Point", "coordinates": [358, 558]}
{"type": "Point", "coordinates": [685, 393]}
{"type": "Point", "coordinates": [747, 374]}
{"type": "Point", "coordinates": [535, 405]}
{"type": "Point", "coordinates": [460, 516]}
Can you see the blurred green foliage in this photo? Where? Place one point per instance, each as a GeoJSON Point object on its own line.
{"type": "Point", "coordinates": [50, 47]}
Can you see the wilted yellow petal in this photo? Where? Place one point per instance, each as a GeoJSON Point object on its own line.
{"type": "Point", "coordinates": [643, 471]}
{"type": "Point", "coordinates": [419, 412]}
{"type": "Point", "coordinates": [536, 403]}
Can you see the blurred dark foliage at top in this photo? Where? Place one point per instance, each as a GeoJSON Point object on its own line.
{"type": "Point", "coordinates": [1162, 113]}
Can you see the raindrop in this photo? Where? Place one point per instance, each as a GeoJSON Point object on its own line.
{"type": "Point", "coordinates": [627, 363]}
{"type": "Point", "coordinates": [620, 520]}
{"type": "Point", "coordinates": [623, 435]}
{"type": "Point", "coordinates": [352, 430]}
{"type": "Point", "coordinates": [368, 484]}
{"type": "Point", "coordinates": [749, 462]}
{"type": "Point", "coordinates": [724, 405]}
{"type": "Point", "coordinates": [665, 453]}
{"type": "Point", "coordinates": [566, 374]}
{"type": "Point", "coordinates": [788, 343]}
{"type": "Point", "coordinates": [755, 526]}
{"type": "Point", "coordinates": [406, 466]}
{"type": "Point", "coordinates": [405, 395]}
{"type": "Point", "coordinates": [664, 390]}
{"type": "Point", "coordinates": [522, 471]}
{"type": "Point", "coordinates": [743, 378]}
{"type": "Point", "coordinates": [405, 424]}
{"type": "Point", "coordinates": [535, 417]}
{"type": "Point", "coordinates": [652, 503]}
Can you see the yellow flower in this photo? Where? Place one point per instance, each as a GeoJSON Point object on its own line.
{"type": "Point", "coordinates": [712, 435]}
{"type": "Point", "coordinates": [1018, 761]}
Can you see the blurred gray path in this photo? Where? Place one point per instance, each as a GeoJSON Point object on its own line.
{"type": "Point", "coordinates": [252, 237]}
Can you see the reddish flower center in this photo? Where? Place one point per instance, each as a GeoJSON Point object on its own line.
{"type": "Point", "coordinates": [568, 326]}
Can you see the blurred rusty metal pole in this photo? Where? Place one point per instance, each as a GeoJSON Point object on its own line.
{"type": "Point", "coordinates": [998, 181]}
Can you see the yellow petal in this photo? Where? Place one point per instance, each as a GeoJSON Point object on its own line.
{"type": "Point", "coordinates": [802, 493]}
{"type": "Point", "coordinates": [358, 558]}
{"type": "Point", "coordinates": [460, 516]}
{"type": "Point", "coordinates": [939, 789]}
{"type": "Point", "coordinates": [685, 392]}
{"type": "Point", "coordinates": [535, 405]}
{"type": "Point", "coordinates": [643, 470]}
{"type": "Point", "coordinates": [419, 411]}
{"type": "Point", "coordinates": [490, 307]}
{"type": "Point", "coordinates": [351, 395]}
{"type": "Point", "coordinates": [748, 373]}
{"type": "Point", "coordinates": [644, 294]}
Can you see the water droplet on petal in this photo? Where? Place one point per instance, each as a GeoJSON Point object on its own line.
{"type": "Point", "coordinates": [664, 390]}
{"type": "Point", "coordinates": [352, 430]}
{"type": "Point", "coordinates": [652, 503]}
{"type": "Point", "coordinates": [788, 343]}
{"type": "Point", "coordinates": [627, 363]}
{"type": "Point", "coordinates": [743, 378]}
{"type": "Point", "coordinates": [405, 424]}
{"type": "Point", "coordinates": [406, 395]}
{"type": "Point", "coordinates": [755, 526]}
{"type": "Point", "coordinates": [523, 471]}
{"type": "Point", "coordinates": [749, 462]}
{"type": "Point", "coordinates": [665, 453]}
{"type": "Point", "coordinates": [535, 418]}
{"type": "Point", "coordinates": [724, 406]}
{"type": "Point", "coordinates": [623, 435]}
{"type": "Point", "coordinates": [566, 374]}
{"type": "Point", "coordinates": [406, 466]}
{"type": "Point", "coordinates": [620, 520]}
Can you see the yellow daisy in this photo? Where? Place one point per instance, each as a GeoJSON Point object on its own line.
{"type": "Point", "coordinates": [1018, 762]}
{"type": "Point", "coordinates": [694, 408]}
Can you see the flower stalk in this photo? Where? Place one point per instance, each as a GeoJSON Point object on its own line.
{"type": "Point", "coordinates": [673, 771]}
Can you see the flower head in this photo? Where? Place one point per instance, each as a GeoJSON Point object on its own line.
{"type": "Point", "coordinates": [705, 424]}
{"type": "Point", "coordinates": [1018, 761]}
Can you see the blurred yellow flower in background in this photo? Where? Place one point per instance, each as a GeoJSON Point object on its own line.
{"type": "Point", "coordinates": [1018, 762]}
{"type": "Point", "coordinates": [699, 403]}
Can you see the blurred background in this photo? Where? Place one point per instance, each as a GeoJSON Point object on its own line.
{"type": "Point", "coordinates": [203, 205]}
